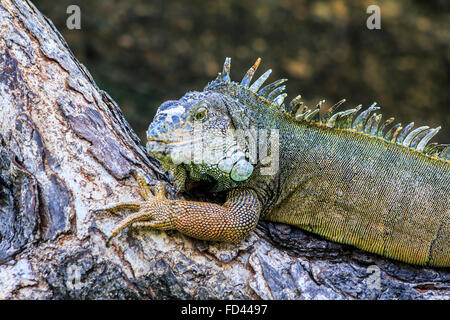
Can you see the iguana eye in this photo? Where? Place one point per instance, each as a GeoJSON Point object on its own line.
{"type": "Point", "coordinates": [200, 114]}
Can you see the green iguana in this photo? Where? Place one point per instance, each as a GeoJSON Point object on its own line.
{"type": "Point", "coordinates": [341, 175]}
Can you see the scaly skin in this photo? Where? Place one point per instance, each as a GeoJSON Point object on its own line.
{"type": "Point", "coordinates": [343, 178]}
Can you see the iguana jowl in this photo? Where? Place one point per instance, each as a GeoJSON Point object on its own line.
{"type": "Point", "coordinates": [343, 175]}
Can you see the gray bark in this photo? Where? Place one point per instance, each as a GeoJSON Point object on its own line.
{"type": "Point", "coordinates": [65, 148]}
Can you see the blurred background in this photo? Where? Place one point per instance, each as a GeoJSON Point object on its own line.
{"type": "Point", "coordinates": [145, 52]}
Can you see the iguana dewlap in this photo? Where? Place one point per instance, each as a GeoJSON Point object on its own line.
{"type": "Point", "coordinates": [343, 175]}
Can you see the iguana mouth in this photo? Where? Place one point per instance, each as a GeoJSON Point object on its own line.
{"type": "Point", "coordinates": [175, 142]}
{"type": "Point", "coordinates": [164, 147]}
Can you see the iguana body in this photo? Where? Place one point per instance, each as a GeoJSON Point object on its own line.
{"type": "Point", "coordinates": [339, 175]}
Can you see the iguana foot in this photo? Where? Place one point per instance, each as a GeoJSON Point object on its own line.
{"type": "Point", "coordinates": [232, 221]}
{"type": "Point", "coordinates": [152, 213]}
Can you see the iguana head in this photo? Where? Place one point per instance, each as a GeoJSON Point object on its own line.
{"type": "Point", "coordinates": [198, 131]}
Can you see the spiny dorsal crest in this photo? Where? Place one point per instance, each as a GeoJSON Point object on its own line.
{"type": "Point", "coordinates": [366, 122]}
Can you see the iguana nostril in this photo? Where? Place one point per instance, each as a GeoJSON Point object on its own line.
{"type": "Point", "coordinates": [152, 132]}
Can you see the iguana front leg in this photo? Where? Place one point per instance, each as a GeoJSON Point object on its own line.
{"type": "Point", "coordinates": [232, 221]}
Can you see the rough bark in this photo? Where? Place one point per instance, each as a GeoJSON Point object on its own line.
{"type": "Point", "coordinates": [66, 148]}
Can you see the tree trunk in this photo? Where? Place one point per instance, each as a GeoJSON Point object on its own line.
{"type": "Point", "coordinates": [65, 148]}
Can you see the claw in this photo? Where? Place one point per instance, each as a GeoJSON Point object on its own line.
{"type": "Point", "coordinates": [108, 241]}
{"type": "Point", "coordinates": [96, 210]}
{"type": "Point", "coordinates": [142, 180]}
